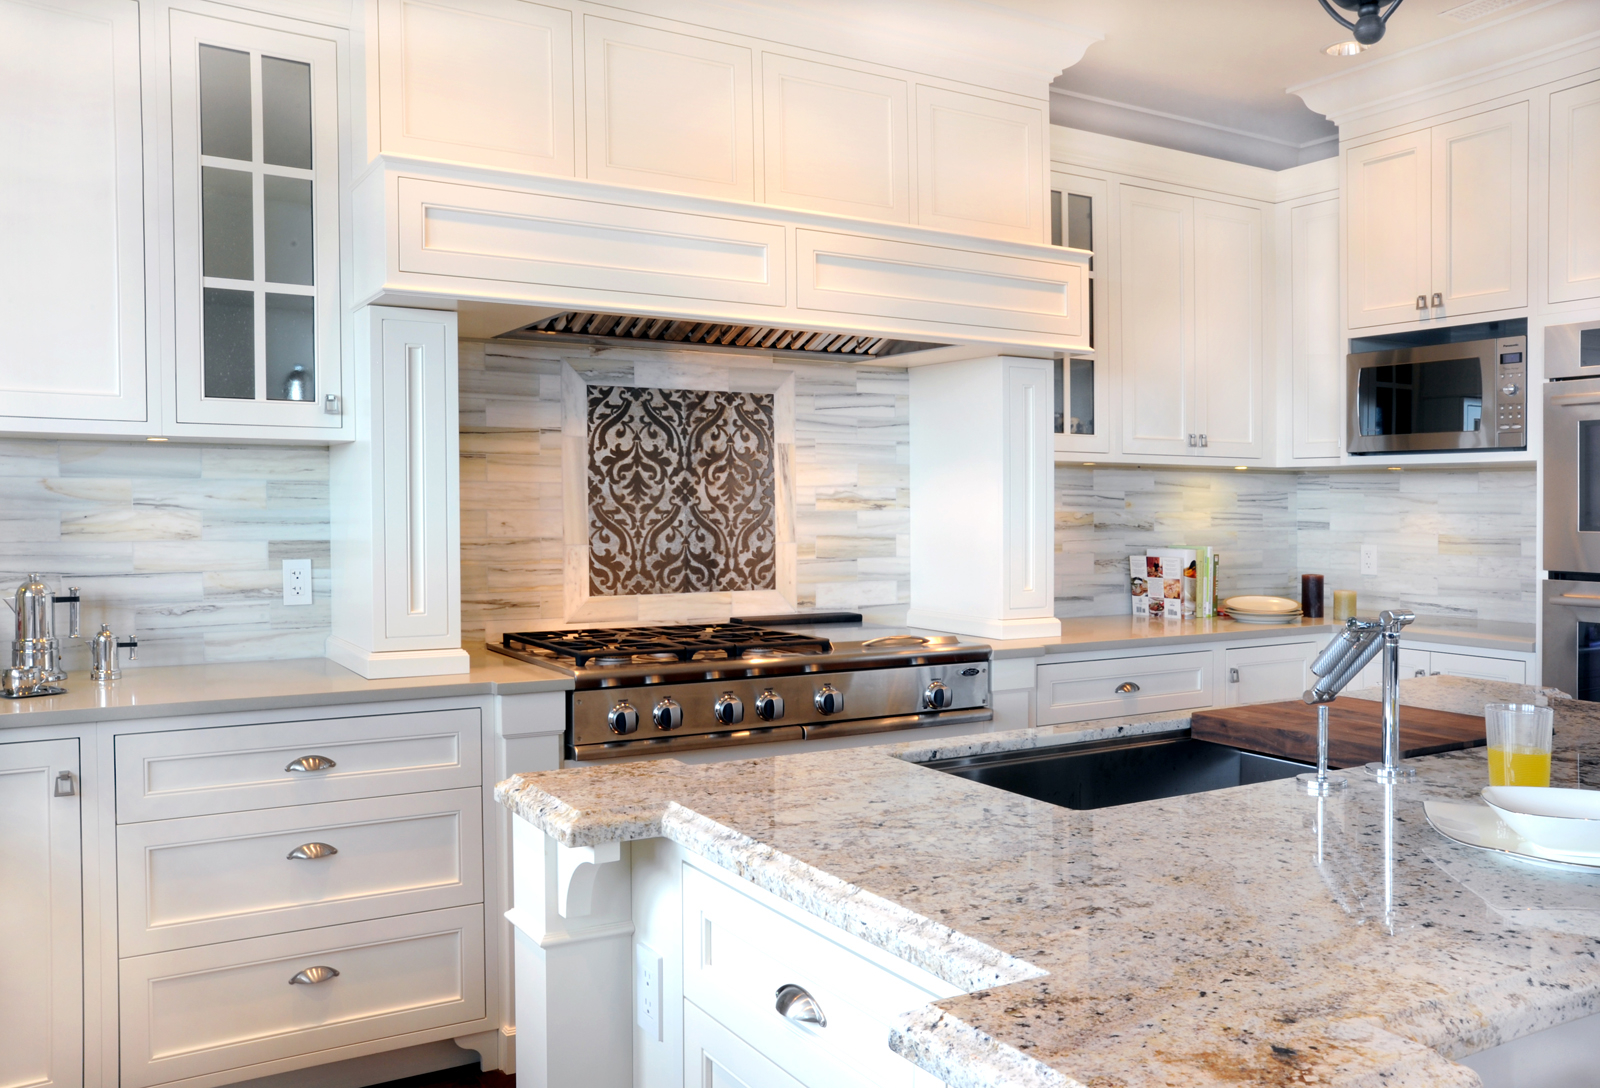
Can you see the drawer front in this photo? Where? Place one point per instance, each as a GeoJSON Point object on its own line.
{"type": "Point", "coordinates": [234, 768]}
{"type": "Point", "coordinates": [1479, 668]}
{"type": "Point", "coordinates": [738, 954]}
{"type": "Point", "coordinates": [714, 1057]}
{"type": "Point", "coordinates": [231, 876]}
{"type": "Point", "coordinates": [1078, 691]}
{"type": "Point", "coordinates": [229, 1006]}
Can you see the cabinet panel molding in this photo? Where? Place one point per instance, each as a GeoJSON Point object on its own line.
{"type": "Point", "coordinates": [1575, 193]}
{"type": "Point", "coordinates": [1480, 212]}
{"type": "Point", "coordinates": [980, 165]}
{"type": "Point", "coordinates": [1389, 229]}
{"type": "Point", "coordinates": [511, 106]}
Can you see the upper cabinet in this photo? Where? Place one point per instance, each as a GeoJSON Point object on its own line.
{"type": "Point", "coordinates": [255, 178]}
{"type": "Point", "coordinates": [1316, 351]}
{"type": "Point", "coordinates": [1575, 193]}
{"type": "Point", "coordinates": [72, 195]}
{"type": "Point", "coordinates": [1437, 223]}
{"type": "Point", "coordinates": [980, 165]}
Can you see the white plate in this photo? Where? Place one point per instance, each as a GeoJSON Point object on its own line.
{"type": "Point", "coordinates": [1562, 820]}
{"type": "Point", "coordinates": [1276, 606]}
{"type": "Point", "coordinates": [1256, 617]}
{"type": "Point", "coordinates": [1478, 826]}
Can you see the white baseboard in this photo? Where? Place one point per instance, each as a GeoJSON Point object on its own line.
{"type": "Point", "coordinates": [396, 664]}
{"type": "Point", "coordinates": [984, 626]}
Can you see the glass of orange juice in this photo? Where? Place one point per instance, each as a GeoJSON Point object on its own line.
{"type": "Point", "coordinates": [1519, 744]}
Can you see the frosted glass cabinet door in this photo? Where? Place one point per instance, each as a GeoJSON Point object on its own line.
{"type": "Point", "coordinates": [72, 292]}
{"type": "Point", "coordinates": [256, 233]}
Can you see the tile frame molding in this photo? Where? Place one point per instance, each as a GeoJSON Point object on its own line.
{"type": "Point", "coordinates": [672, 372]}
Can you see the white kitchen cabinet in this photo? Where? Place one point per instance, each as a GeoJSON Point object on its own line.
{"type": "Point", "coordinates": [1189, 302]}
{"type": "Point", "coordinates": [1510, 669]}
{"type": "Point", "coordinates": [1574, 263]}
{"type": "Point", "coordinates": [72, 205]}
{"type": "Point", "coordinates": [41, 915]}
{"type": "Point", "coordinates": [980, 165]}
{"type": "Point", "coordinates": [1317, 353]}
{"type": "Point", "coordinates": [1273, 673]}
{"type": "Point", "coordinates": [714, 1057]}
{"type": "Point", "coordinates": [1079, 214]}
{"type": "Point", "coordinates": [1083, 690]}
{"type": "Point", "coordinates": [1437, 223]}
{"type": "Point", "coordinates": [255, 199]}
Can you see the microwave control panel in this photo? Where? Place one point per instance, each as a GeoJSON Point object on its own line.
{"type": "Point", "coordinates": [1511, 394]}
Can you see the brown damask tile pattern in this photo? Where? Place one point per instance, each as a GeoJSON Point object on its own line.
{"type": "Point", "coordinates": [681, 491]}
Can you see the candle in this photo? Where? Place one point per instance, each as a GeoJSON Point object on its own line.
{"type": "Point", "coordinates": [1311, 595]}
{"type": "Point", "coordinates": [1344, 604]}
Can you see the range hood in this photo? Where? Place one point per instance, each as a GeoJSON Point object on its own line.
{"type": "Point", "coordinates": [605, 263]}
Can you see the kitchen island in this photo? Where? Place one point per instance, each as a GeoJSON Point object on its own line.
{"type": "Point", "coordinates": [1193, 941]}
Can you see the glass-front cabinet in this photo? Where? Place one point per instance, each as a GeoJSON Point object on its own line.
{"type": "Point", "coordinates": [1081, 384]}
{"type": "Point", "coordinates": [256, 231]}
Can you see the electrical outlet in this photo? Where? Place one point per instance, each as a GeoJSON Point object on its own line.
{"type": "Point", "coordinates": [1369, 559]}
{"type": "Point", "coordinates": [296, 581]}
{"type": "Point", "coordinates": [647, 991]}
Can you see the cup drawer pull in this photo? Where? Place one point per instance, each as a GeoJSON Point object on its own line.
{"type": "Point", "coordinates": [313, 975]}
{"type": "Point", "coordinates": [794, 1003]}
{"type": "Point", "coordinates": [1127, 687]}
{"type": "Point", "coordinates": [311, 763]}
{"type": "Point", "coordinates": [312, 851]}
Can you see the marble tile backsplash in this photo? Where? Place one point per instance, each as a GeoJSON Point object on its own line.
{"type": "Point", "coordinates": [180, 545]}
{"type": "Point", "coordinates": [1451, 543]}
{"type": "Point", "coordinates": [852, 504]}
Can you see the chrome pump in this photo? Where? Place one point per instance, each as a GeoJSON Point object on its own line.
{"type": "Point", "coordinates": [1344, 658]}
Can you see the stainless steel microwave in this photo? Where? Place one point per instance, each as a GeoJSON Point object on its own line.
{"type": "Point", "coordinates": [1439, 397]}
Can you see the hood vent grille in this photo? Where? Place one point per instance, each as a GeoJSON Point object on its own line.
{"type": "Point", "coordinates": [581, 325]}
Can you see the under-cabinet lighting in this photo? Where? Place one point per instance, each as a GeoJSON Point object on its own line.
{"type": "Point", "coordinates": [1241, 468]}
{"type": "Point", "coordinates": [1088, 464]}
{"type": "Point", "coordinates": [155, 439]}
{"type": "Point", "coordinates": [1345, 49]}
{"type": "Point", "coordinates": [1394, 468]}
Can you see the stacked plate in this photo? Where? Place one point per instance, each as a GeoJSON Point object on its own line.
{"type": "Point", "coordinates": [1262, 609]}
{"type": "Point", "coordinates": [1541, 823]}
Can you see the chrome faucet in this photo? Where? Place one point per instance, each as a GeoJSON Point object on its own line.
{"type": "Point", "coordinates": [1344, 657]}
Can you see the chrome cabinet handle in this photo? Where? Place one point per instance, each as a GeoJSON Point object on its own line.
{"type": "Point", "coordinates": [1233, 676]}
{"type": "Point", "coordinates": [1127, 687]}
{"type": "Point", "coordinates": [1438, 299]}
{"type": "Point", "coordinates": [1204, 441]}
{"type": "Point", "coordinates": [797, 1005]}
{"type": "Point", "coordinates": [311, 763]}
{"type": "Point", "coordinates": [1422, 302]}
{"type": "Point", "coordinates": [313, 975]}
{"type": "Point", "coordinates": [66, 785]}
{"type": "Point", "coordinates": [312, 851]}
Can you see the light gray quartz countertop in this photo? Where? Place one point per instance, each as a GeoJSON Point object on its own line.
{"type": "Point", "coordinates": [262, 685]}
{"type": "Point", "coordinates": [1191, 941]}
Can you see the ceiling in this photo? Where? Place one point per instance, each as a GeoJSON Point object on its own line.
{"type": "Point", "coordinates": [1210, 76]}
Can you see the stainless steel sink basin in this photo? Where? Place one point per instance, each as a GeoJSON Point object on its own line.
{"type": "Point", "coordinates": [1119, 772]}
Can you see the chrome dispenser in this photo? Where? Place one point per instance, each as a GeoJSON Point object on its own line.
{"type": "Point", "coordinates": [1345, 656]}
{"type": "Point", "coordinates": [35, 645]}
{"type": "Point", "coordinates": [103, 653]}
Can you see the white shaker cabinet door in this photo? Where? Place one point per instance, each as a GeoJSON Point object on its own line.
{"type": "Point", "coordinates": [1316, 351]}
{"type": "Point", "coordinates": [72, 290]}
{"type": "Point", "coordinates": [41, 916]}
{"type": "Point", "coordinates": [1389, 187]}
{"type": "Point", "coordinates": [1575, 193]}
{"type": "Point", "coordinates": [1227, 333]}
{"type": "Point", "coordinates": [1480, 213]}
{"type": "Point", "coordinates": [1156, 311]}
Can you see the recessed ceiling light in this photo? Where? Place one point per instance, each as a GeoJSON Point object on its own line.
{"type": "Point", "coordinates": [1345, 49]}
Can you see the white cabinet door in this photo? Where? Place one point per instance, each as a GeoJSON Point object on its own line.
{"type": "Point", "coordinates": [1227, 329]}
{"type": "Point", "coordinates": [1507, 670]}
{"type": "Point", "coordinates": [255, 196]}
{"type": "Point", "coordinates": [1267, 674]}
{"type": "Point", "coordinates": [1388, 246]}
{"type": "Point", "coordinates": [1317, 354]}
{"type": "Point", "coordinates": [41, 916]}
{"type": "Point", "coordinates": [1480, 213]}
{"type": "Point", "coordinates": [1156, 316]}
{"type": "Point", "coordinates": [1575, 193]}
{"type": "Point", "coordinates": [72, 291]}
{"type": "Point", "coordinates": [714, 1057]}
{"type": "Point", "coordinates": [980, 165]}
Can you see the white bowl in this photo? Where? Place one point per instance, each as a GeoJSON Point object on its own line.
{"type": "Point", "coordinates": [1551, 817]}
{"type": "Point", "coordinates": [1262, 606]}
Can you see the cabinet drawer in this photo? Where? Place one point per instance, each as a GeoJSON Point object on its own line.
{"type": "Point", "coordinates": [228, 877]}
{"type": "Point", "coordinates": [230, 1006]}
{"type": "Point", "coordinates": [738, 953]}
{"type": "Point", "coordinates": [194, 772]}
{"type": "Point", "coordinates": [1078, 691]}
{"type": "Point", "coordinates": [1479, 668]}
{"type": "Point", "coordinates": [714, 1057]}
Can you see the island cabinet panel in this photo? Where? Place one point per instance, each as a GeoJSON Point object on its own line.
{"type": "Point", "coordinates": [1575, 193]}
{"type": "Point", "coordinates": [835, 139]}
{"type": "Point", "coordinates": [668, 111]}
{"type": "Point", "coordinates": [232, 1006]}
{"type": "Point", "coordinates": [1388, 247]}
{"type": "Point", "coordinates": [509, 105]}
{"type": "Point", "coordinates": [1079, 691]}
{"type": "Point", "coordinates": [41, 915]}
{"type": "Point", "coordinates": [980, 165]}
{"type": "Point", "coordinates": [1267, 674]}
{"type": "Point", "coordinates": [72, 282]}
{"type": "Point", "coordinates": [1480, 213]}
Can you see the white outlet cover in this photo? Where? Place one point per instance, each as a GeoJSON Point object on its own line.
{"type": "Point", "coordinates": [297, 582]}
{"type": "Point", "coordinates": [1369, 559]}
{"type": "Point", "coordinates": [647, 991]}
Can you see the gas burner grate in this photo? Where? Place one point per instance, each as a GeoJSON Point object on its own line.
{"type": "Point", "coordinates": [610, 646]}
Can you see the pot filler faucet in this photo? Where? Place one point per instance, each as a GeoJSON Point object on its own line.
{"type": "Point", "coordinates": [1343, 658]}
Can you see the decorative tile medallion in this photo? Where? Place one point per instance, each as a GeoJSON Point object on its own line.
{"type": "Point", "coordinates": [681, 491]}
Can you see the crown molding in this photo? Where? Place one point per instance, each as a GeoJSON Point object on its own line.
{"type": "Point", "coordinates": [1076, 148]}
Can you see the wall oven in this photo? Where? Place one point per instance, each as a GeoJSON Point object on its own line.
{"type": "Point", "coordinates": [1439, 397]}
{"type": "Point", "coordinates": [1571, 637]}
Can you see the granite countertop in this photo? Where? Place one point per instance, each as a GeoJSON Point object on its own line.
{"type": "Point", "coordinates": [1190, 941]}
{"type": "Point", "coordinates": [262, 685]}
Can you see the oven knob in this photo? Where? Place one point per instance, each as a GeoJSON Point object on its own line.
{"type": "Point", "coordinates": [668, 714]}
{"type": "Point", "coordinates": [769, 706]}
{"type": "Point", "coordinates": [1509, 390]}
{"type": "Point", "coordinates": [829, 700]}
{"type": "Point", "coordinates": [623, 718]}
{"type": "Point", "coordinates": [729, 709]}
{"type": "Point", "coordinates": [938, 696]}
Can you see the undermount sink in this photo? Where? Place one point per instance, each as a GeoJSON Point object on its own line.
{"type": "Point", "coordinates": [1119, 772]}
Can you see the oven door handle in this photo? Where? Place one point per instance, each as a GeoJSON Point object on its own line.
{"type": "Point", "coordinates": [1572, 400]}
{"type": "Point", "coordinates": [1577, 600]}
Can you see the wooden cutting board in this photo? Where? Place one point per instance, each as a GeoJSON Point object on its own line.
{"type": "Point", "coordinates": [1355, 730]}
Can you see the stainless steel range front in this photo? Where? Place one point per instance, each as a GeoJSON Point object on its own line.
{"type": "Point", "coordinates": [664, 689]}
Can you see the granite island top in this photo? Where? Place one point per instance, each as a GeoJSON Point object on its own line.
{"type": "Point", "coordinates": [1190, 941]}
